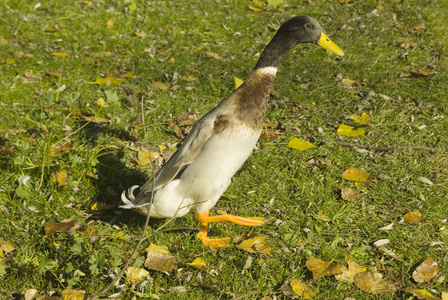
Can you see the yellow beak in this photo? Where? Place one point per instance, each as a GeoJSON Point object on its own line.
{"type": "Point", "coordinates": [326, 43]}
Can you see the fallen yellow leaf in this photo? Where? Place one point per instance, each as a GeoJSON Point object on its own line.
{"type": "Point", "coordinates": [255, 245]}
{"type": "Point", "coordinates": [60, 177]}
{"type": "Point", "coordinates": [161, 85]}
{"type": "Point", "coordinates": [298, 144]}
{"type": "Point", "coordinates": [145, 157]}
{"type": "Point", "coordinates": [302, 289]}
{"type": "Point", "coordinates": [102, 54]}
{"type": "Point", "coordinates": [348, 82]}
{"type": "Point", "coordinates": [134, 274]}
{"type": "Point", "coordinates": [110, 24]}
{"type": "Point", "coordinates": [349, 131]}
{"type": "Point", "coordinates": [354, 174]}
{"type": "Point", "coordinates": [108, 81]}
{"type": "Point", "coordinates": [238, 81]}
{"type": "Point", "coordinates": [421, 294]}
{"type": "Point", "coordinates": [101, 102]}
{"type": "Point", "coordinates": [362, 119]}
{"type": "Point", "coordinates": [255, 9]}
{"type": "Point", "coordinates": [158, 249]}
{"type": "Point", "coordinates": [352, 270]}
{"type": "Point", "coordinates": [198, 264]}
{"type": "Point", "coordinates": [59, 54]}
{"type": "Point", "coordinates": [322, 217]}
{"type": "Point", "coordinates": [321, 268]}
{"type": "Point", "coordinates": [73, 295]}
{"type": "Point", "coordinates": [413, 217]}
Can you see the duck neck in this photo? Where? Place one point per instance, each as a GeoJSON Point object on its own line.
{"type": "Point", "coordinates": [275, 50]}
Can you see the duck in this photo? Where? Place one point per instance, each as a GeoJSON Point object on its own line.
{"type": "Point", "coordinates": [200, 171]}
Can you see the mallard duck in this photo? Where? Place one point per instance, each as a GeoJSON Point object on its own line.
{"type": "Point", "coordinates": [199, 172]}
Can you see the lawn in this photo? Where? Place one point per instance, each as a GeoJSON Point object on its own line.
{"type": "Point", "coordinates": [88, 88]}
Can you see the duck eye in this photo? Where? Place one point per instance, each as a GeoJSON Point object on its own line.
{"type": "Point", "coordinates": [309, 26]}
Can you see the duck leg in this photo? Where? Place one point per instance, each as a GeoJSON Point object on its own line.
{"type": "Point", "coordinates": [214, 244]}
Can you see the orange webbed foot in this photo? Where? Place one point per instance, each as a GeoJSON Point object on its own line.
{"type": "Point", "coordinates": [214, 244]}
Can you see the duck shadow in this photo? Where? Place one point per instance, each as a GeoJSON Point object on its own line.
{"type": "Point", "coordinates": [113, 177]}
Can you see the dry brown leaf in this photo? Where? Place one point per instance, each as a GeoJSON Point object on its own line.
{"type": "Point", "coordinates": [61, 147]}
{"type": "Point", "coordinates": [348, 194]}
{"type": "Point", "coordinates": [8, 132]}
{"type": "Point", "coordinates": [421, 294]}
{"type": "Point", "coordinates": [158, 259]}
{"type": "Point", "coordinates": [29, 80]}
{"type": "Point", "coordinates": [4, 147]}
{"type": "Point", "coordinates": [421, 72]}
{"type": "Point", "coordinates": [354, 174]}
{"type": "Point", "coordinates": [347, 82]}
{"type": "Point", "coordinates": [6, 246]}
{"type": "Point", "coordinates": [176, 129]}
{"type": "Point", "coordinates": [91, 232]}
{"type": "Point", "coordinates": [322, 217]}
{"type": "Point", "coordinates": [444, 295]}
{"type": "Point", "coordinates": [321, 268]}
{"type": "Point", "coordinates": [256, 244]}
{"type": "Point", "coordinates": [272, 131]}
{"type": "Point", "coordinates": [417, 27]}
{"type": "Point", "coordinates": [413, 217]}
{"type": "Point", "coordinates": [213, 55]}
{"type": "Point", "coordinates": [64, 226]}
{"type": "Point", "coordinates": [163, 86]}
{"type": "Point", "coordinates": [407, 45]}
{"type": "Point", "coordinates": [352, 270]}
{"type": "Point", "coordinates": [30, 294]}
{"type": "Point", "coordinates": [88, 117]}
{"type": "Point", "coordinates": [132, 100]}
{"type": "Point", "coordinates": [302, 289]}
{"type": "Point", "coordinates": [371, 282]}
{"type": "Point", "coordinates": [425, 271]}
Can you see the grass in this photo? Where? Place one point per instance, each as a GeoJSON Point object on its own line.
{"type": "Point", "coordinates": [288, 186]}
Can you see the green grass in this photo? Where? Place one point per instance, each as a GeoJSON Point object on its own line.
{"type": "Point", "coordinates": [311, 103]}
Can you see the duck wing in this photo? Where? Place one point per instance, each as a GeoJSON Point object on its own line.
{"type": "Point", "coordinates": [184, 156]}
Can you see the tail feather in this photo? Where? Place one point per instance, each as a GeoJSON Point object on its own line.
{"type": "Point", "coordinates": [129, 199]}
